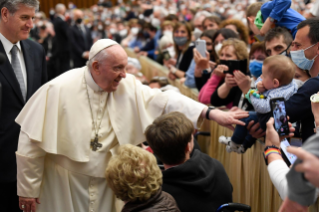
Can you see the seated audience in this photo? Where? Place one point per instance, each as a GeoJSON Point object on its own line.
{"type": "Point", "coordinates": [135, 178]}
{"type": "Point", "coordinates": [276, 81]}
{"type": "Point", "coordinates": [238, 27]}
{"type": "Point", "coordinates": [197, 182]}
{"type": "Point", "coordinates": [150, 46]}
{"type": "Point", "coordinates": [228, 92]}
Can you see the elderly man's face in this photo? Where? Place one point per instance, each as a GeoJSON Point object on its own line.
{"type": "Point", "coordinates": [112, 70]}
{"type": "Point", "coordinates": [275, 46]}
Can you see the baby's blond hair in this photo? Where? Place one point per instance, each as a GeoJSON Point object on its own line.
{"type": "Point", "coordinates": [281, 68]}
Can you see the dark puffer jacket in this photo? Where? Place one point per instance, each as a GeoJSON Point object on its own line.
{"type": "Point", "coordinates": [160, 202]}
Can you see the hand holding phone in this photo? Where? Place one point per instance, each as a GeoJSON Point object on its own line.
{"type": "Point", "coordinates": [240, 65]}
{"type": "Point", "coordinates": [201, 47]}
{"type": "Point", "coordinates": [278, 110]}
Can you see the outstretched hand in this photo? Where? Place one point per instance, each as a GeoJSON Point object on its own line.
{"type": "Point", "coordinates": [227, 119]}
{"type": "Point", "coordinates": [291, 206]}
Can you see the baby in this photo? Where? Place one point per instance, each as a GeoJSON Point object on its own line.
{"type": "Point", "coordinates": [276, 81]}
{"type": "Point", "coordinates": [272, 14]}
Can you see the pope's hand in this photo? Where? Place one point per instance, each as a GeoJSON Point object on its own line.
{"type": "Point", "coordinates": [28, 204]}
{"type": "Point", "coordinates": [227, 119]}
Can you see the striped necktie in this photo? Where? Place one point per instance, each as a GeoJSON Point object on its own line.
{"type": "Point", "coordinates": [17, 70]}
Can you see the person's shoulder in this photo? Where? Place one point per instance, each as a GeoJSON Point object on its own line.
{"type": "Point", "coordinates": [68, 78]}
{"type": "Point", "coordinates": [32, 44]}
{"type": "Point", "coordinates": [312, 83]}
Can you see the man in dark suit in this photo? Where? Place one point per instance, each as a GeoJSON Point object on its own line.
{"type": "Point", "coordinates": [62, 54]}
{"type": "Point", "coordinates": [81, 40]}
{"type": "Point", "coordinates": [20, 76]}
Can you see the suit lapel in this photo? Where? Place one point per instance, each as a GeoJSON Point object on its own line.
{"type": "Point", "coordinates": [28, 58]}
{"type": "Point", "coordinates": [8, 73]}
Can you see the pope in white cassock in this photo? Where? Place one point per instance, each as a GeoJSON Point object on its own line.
{"type": "Point", "coordinates": [73, 124]}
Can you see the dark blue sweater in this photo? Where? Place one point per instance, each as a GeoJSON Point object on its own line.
{"type": "Point", "coordinates": [298, 108]}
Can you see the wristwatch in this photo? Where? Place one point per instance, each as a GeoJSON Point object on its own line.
{"type": "Point", "coordinates": [272, 20]}
{"type": "Point", "coordinates": [270, 149]}
{"type": "Point", "coordinates": [208, 111]}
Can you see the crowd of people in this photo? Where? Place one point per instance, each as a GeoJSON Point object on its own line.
{"type": "Point", "coordinates": [81, 124]}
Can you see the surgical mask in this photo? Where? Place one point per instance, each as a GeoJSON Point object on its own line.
{"type": "Point", "coordinates": [299, 58]}
{"type": "Point", "coordinates": [255, 67]}
{"type": "Point", "coordinates": [123, 32]}
{"type": "Point", "coordinates": [180, 41]}
{"type": "Point", "coordinates": [168, 33]}
{"type": "Point", "coordinates": [134, 30]}
{"type": "Point", "coordinates": [218, 47]}
{"type": "Point", "coordinates": [40, 23]}
{"type": "Point", "coordinates": [89, 25]}
{"type": "Point", "coordinates": [197, 33]}
{"type": "Point", "coordinates": [113, 31]}
{"type": "Point", "coordinates": [299, 82]}
{"type": "Point", "coordinates": [171, 51]}
{"type": "Point", "coordinates": [156, 22]}
{"type": "Point", "coordinates": [100, 27]}
{"type": "Point", "coordinates": [78, 21]}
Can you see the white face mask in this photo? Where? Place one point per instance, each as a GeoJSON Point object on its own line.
{"type": "Point", "coordinates": [218, 47]}
{"type": "Point", "coordinates": [40, 23]}
{"type": "Point", "coordinates": [100, 27]}
{"type": "Point", "coordinates": [197, 33]}
{"type": "Point", "coordinates": [123, 32]}
{"type": "Point", "coordinates": [168, 33]}
{"type": "Point", "coordinates": [134, 30]}
{"type": "Point", "coordinates": [171, 51]}
{"type": "Point", "coordinates": [156, 22]}
{"type": "Point", "coordinates": [113, 31]}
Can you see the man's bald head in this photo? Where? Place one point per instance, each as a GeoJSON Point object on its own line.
{"type": "Point", "coordinates": [60, 9]}
{"type": "Point", "coordinates": [77, 14]}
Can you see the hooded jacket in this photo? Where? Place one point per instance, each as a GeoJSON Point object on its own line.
{"type": "Point", "coordinates": [199, 184]}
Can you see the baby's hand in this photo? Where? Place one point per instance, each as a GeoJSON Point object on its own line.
{"type": "Point", "coordinates": [260, 87]}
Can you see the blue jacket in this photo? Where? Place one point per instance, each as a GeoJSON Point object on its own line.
{"type": "Point", "coordinates": [285, 16]}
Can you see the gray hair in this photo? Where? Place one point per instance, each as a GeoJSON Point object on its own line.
{"type": "Point", "coordinates": [202, 13]}
{"type": "Point", "coordinates": [13, 5]}
{"type": "Point", "coordinates": [99, 57]}
{"type": "Point", "coordinates": [59, 7]}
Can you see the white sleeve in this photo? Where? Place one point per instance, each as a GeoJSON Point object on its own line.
{"type": "Point", "coordinates": [30, 166]}
{"type": "Point", "coordinates": [277, 171]}
{"type": "Point", "coordinates": [315, 9]}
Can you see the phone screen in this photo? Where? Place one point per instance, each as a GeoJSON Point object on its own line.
{"type": "Point", "coordinates": [233, 65]}
{"type": "Point", "coordinates": [278, 109]}
{"type": "Point", "coordinates": [288, 157]}
{"type": "Point", "coordinates": [166, 55]}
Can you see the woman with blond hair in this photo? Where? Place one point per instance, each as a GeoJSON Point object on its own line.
{"type": "Point", "coordinates": [135, 178]}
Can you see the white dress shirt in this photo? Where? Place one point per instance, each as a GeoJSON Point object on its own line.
{"type": "Point", "coordinates": [7, 45]}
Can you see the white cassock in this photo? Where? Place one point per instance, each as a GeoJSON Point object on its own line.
{"type": "Point", "coordinates": [54, 158]}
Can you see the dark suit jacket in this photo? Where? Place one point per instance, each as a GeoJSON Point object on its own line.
{"type": "Point", "coordinates": [79, 44]}
{"type": "Point", "coordinates": [12, 103]}
{"type": "Point", "coordinates": [62, 34]}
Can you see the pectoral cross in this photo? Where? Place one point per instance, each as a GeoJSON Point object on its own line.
{"type": "Point", "coordinates": [95, 145]}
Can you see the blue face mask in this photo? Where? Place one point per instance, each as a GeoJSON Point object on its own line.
{"type": "Point", "coordinates": [180, 41]}
{"type": "Point", "coordinates": [299, 58]}
{"type": "Point", "coordinates": [255, 67]}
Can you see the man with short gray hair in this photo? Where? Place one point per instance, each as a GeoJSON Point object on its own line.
{"type": "Point", "coordinates": [23, 72]}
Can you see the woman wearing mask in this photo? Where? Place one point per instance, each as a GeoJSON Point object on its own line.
{"type": "Point", "coordinates": [228, 92]}
{"type": "Point", "coordinates": [216, 77]}
{"type": "Point", "coordinates": [135, 36]}
{"type": "Point", "coordinates": [219, 37]}
{"type": "Point", "coordinates": [182, 36]}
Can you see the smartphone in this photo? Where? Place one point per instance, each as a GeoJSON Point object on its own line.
{"type": "Point", "coordinates": [288, 157]}
{"type": "Point", "coordinates": [278, 111]}
{"type": "Point", "coordinates": [201, 47]}
{"type": "Point", "coordinates": [233, 65]}
{"type": "Point", "coordinates": [166, 55]}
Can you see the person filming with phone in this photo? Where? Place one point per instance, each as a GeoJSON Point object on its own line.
{"type": "Point", "coordinates": [232, 56]}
